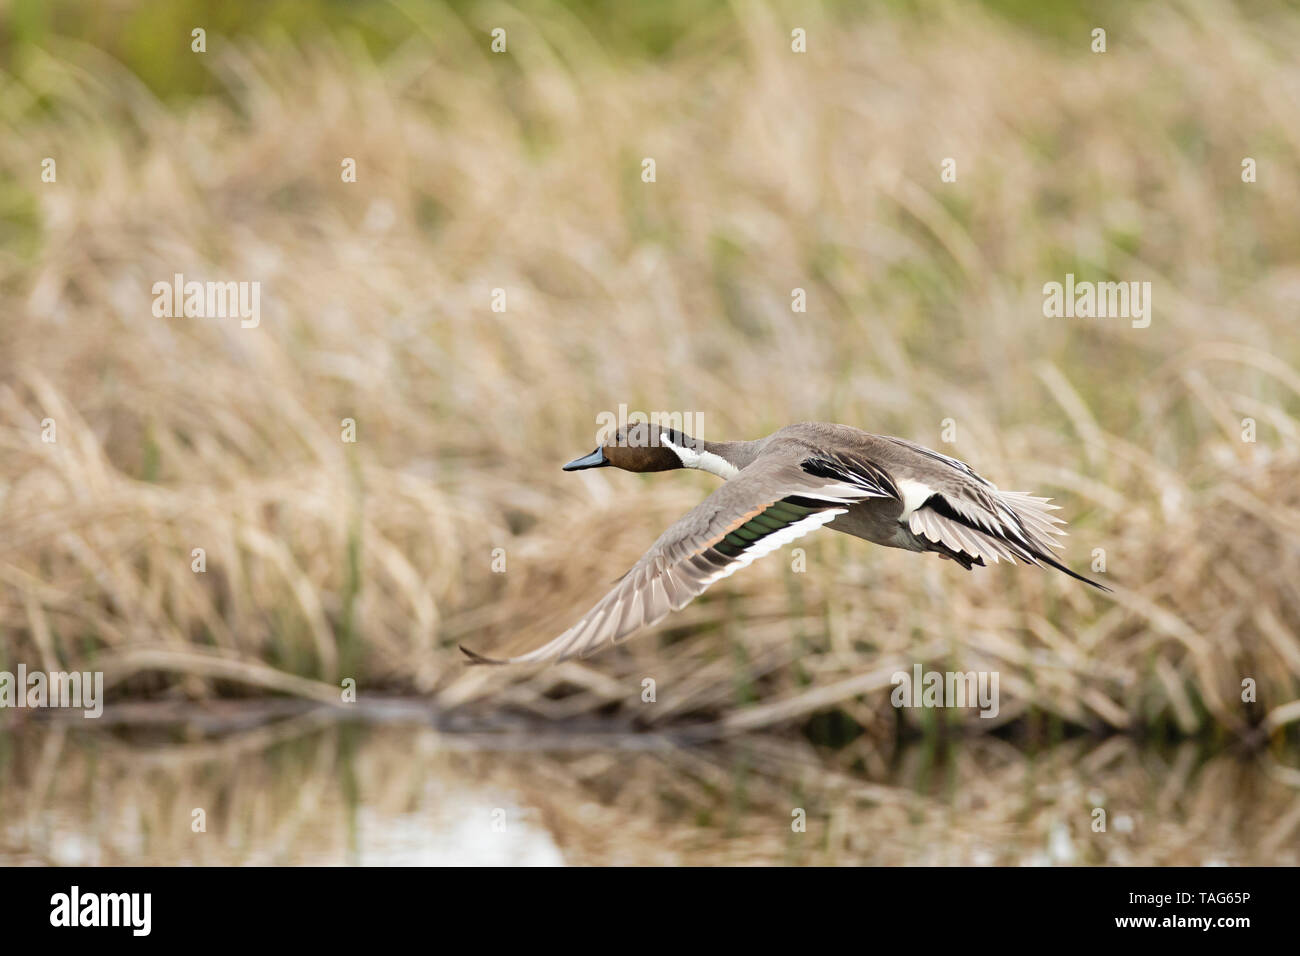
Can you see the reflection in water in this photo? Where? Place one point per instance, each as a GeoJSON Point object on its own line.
{"type": "Point", "coordinates": [308, 789]}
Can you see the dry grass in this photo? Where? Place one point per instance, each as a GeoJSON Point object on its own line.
{"type": "Point", "coordinates": [775, 171]}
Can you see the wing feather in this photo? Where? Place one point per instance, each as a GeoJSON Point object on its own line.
{"type": "Point", "coordinates": [748, 517]}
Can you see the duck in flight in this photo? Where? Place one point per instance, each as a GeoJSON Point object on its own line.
{"type": "Point", "coordinates": [888, 490]}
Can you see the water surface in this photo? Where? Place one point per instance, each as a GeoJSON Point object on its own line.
{"type": "Point", "coordinates": [309, 788]}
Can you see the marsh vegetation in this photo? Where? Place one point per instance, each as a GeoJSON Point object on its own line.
{"type": "Point", "coordinates": [326, 559]}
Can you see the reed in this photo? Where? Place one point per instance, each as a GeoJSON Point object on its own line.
{"type": "Point", "coordinates": [775, 171]}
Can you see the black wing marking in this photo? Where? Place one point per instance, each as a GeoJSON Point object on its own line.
{"type": "Point", "coordinates": [858, 472]}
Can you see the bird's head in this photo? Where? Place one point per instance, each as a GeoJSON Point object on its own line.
{"type": "Point", "coordinates": [639, 447]}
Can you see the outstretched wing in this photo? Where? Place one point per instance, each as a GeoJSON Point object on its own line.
{"type": "Point", "coordinates": [751, 515]}
{"type": "Point", "coordinates": [951, 506]}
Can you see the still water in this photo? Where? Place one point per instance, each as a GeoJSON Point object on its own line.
{"type": "Point", "coordinates": [308, 788]}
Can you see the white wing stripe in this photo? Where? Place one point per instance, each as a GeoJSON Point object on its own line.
{"type": "Point", "coordinates": [771, 542]}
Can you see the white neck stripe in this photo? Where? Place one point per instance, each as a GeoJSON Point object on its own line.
{"type": "Point", "coordinates": [702, 460]}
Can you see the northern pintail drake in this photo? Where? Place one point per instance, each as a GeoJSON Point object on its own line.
{"type": "Point", "coordinates": [888, 490]}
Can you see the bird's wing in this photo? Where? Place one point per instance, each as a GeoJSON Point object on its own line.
{"type": "Point", "coordinates": [751, 515]}
{"type": "Point", "coordinates": [947, 503]}
{"type": "Point", "coordinates": [989, 524]}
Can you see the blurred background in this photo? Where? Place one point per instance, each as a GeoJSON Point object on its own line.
{"type": "Point", "coordinates": [1172, 448]}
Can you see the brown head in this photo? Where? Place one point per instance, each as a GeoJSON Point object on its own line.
{"type": "Point", "coordinates": [639, 447]}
